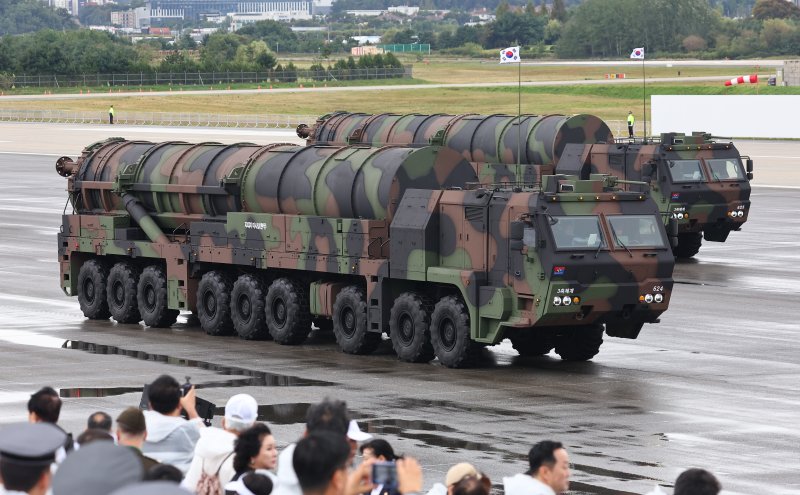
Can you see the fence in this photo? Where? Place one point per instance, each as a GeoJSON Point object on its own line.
{"type": "Point", "coordinates": [207, 78]}
{"type": "Point", "coordinates": [406, 48]}
{"type": "Point", "coordinates": [158, 118]}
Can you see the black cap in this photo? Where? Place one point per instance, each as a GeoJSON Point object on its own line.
{"type": "Point", "coordinates": [31, 444]}
{"type": "Point", "coordinates": [98, 468]}
{"type": "Point", "coordinates": [152, 488]}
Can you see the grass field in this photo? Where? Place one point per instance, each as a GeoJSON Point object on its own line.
{"type": "Point", "coordinates": [610, 102]}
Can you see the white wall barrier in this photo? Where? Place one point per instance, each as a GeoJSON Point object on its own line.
{"type": "Point", "coordinates": [759, 116]}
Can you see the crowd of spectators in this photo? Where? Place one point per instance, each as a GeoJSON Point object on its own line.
{"type": "Point", "coordinates": [167, 449]}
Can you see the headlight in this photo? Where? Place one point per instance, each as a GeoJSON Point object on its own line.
{"type": "Point", "coordinates": [556, 301]}
{"type": "Point", "coordinates": [658, 298]}
{"type": "Point", "coordinates": [740, 213]}
{"type": "Point", "coordinates": [566, 301]}
{"type": "Point", "coordinates": [648, 298]}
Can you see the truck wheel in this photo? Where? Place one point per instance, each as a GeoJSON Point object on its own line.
{"type": "Point", "coordinates": [409, 328]}
{"type": "Point", "coordinates": [247, 308]}
{"type": "Point", "coordinates": [287, 313]}
{"type": "Point", "coordinates": [92, 280]}
{"type": "Point", "coordinates": [151, 297]}
{"type": "Point", "coordinates": [533, 342]}
{"type": "Point", "coordinates": [123, 281]}
{"type": "Point", "coordinates": [579, 343]}
{"type": "Point", "coordinates": [450, 333]}
{"type": "Point", "coordinates": [350, 322]}
{"type": "Point", "coordinates": [214, 303]}
{"type": "Point", "coordinates": [688, 244]}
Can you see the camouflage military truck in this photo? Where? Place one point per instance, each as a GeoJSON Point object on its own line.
{"type": "Point", "coordinates": [263, 241]}
{"type": "Point", "coordinates": [703, 184]}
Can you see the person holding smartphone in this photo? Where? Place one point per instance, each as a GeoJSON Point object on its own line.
{"type": "Point", "coordinates": [320, 461]}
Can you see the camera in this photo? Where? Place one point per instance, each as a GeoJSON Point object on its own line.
{"type": "Point", "coordinates": [186, 387]}
{"type": "Point", "coordinates": [205, 409]}
{"type": "Point", "coordinates": [385, 473]}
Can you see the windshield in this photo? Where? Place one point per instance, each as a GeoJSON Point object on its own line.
{"type": "Point", "coordinates": [726, 169]}
{"type": "Point", "coordinates": [686, 171]}
{"type": "Point", "coordinates": [636, 231]}
{"type": "Point", "coordinates": [578, 232]}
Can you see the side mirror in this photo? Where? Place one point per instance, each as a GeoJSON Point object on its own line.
{"type": "Point", "coordinates": [749, 164]}
{"type": "Point", "coordinates": [749, 175]}
{"type": "Point", "coordinates": [672, 232]}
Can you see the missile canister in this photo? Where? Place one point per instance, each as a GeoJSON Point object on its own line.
{"type": "Point", "coordinates": [540, 139]}
{"type": "Point", "coordinates": [178, 182]}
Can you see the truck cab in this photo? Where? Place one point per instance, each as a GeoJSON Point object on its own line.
{"type": "Point", "coordinates": [703, 184]}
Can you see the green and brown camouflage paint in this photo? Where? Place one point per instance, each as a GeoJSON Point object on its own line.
{"type": "Point", "coordinates": [390, 219]}
{"type": "Point", "coordinates": [710, 203]}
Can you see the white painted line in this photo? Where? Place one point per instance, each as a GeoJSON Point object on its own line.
{"type": "Point", "coordinates": [35, 154]}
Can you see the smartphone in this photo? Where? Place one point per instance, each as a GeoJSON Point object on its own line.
{"type": "Point", "coordinates": [384, 473]}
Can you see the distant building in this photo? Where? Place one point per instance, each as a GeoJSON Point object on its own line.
{"type": "Point", "coordinates": [366, 13]}
{"type": "Point", "coordinates": [791, 72]}
{"type": "Point", "coordinates": [365, 50]}
{"type": "Point", "coordinates": [405, 10]}
{"type": "Point", "coordinates": [364, 40]}
{"type": "Point", "coordinates": [131, 19]}
{"type": "Point", "coordinates": [248, 11]}
{"type": "Point", "coordinates": [71, 6]}
{"type": "Point", "coordinates": [321, 7]}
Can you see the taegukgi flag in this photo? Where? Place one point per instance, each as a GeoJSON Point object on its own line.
{"type": "Point", "coordinates": [510, 55]}
{"type": "Point", "coordinates": [638, 53]}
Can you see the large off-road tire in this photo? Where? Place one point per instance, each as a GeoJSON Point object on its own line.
{"type": "Point", "coordinates": [688, 244]}
{"type": "Point", "coordinates": [247, 308]}
{"type": "Point", "coordinates": [92, 280]}
{"type": "Point", "coordinates": [214, 303]}
{"type": "Point", "coordinates": [579, 343]}
{"type": "Point", "coordinates": [350, 322]}
{"type": "Point", "coordinates": [450, 333]}
{"type": "Point", "coordinates": [409, 328]}
{"type": "Point", "coordinates": [152, 298]}
{"type": "Point", "coordinates": [287, 313]}
{"type": "Point", "coordinates": [123, 282]}
{"type": "Point", "coordinates": [534, 341]}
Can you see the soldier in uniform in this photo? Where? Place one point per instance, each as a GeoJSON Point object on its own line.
{"type": "Point", "coordinates": [26, 452]}
{"type": "Point", "coordinates": [631, 120]}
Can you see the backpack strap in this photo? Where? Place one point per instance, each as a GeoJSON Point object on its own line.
{"type": "Point", "coordinates": [223, 462]}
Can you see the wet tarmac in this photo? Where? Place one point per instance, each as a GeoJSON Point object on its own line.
{"type": "Point", "coordinates": [714, 385]}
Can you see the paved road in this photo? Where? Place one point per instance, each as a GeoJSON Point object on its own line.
{"type": "Point", "coordinates": [713, 385]}
{"type": "Point", "coordinates": [410, 87]}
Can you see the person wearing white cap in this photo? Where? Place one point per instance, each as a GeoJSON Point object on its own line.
{"type": "Point", "coordinates": [213, 455]}
{"type": "Point", "coordinates": [354, 437]}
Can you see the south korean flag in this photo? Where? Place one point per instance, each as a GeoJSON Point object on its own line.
{"type": "Point", "coordinates": [510, 55]}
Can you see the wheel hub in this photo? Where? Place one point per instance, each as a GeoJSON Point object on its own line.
{"type": "Point", "coordinates": [245, 308]}
{"type": "Point", "coordinates": [406, 328]}
{"type": "Point", "coordinates": [119, 293]}
{"type": "Point", "coordinates": [150, 297]}
{"type": "Point", "coordinates": [88, 290]}
{"type": "Point", "coordinates": [447, 332]}
{"type": "Point", "coordinates": [348, 321]}
{"type": "Point", "coordinates": [279, 312]}
{"type": "Point", "coordinates": [210, 303]}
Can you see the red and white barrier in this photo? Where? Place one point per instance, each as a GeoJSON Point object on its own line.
{"type": "Point", "coordinates": [751, 79]}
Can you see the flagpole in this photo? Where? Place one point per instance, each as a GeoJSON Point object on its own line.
{"type": "Point", "coordinates": [644, 100]}
{"type": "Point", "coordinates": [519, 112]}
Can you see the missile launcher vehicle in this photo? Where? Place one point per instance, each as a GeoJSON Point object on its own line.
{"type": "Point", "coordinates": [397, 241]}
{"type": "Point", "coordinates": [703, 184]}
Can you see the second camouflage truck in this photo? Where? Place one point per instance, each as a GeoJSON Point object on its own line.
{"type": "Point", "coordinates": [701, 183]}
{"type": "Point", "coordinates": [263, 241]}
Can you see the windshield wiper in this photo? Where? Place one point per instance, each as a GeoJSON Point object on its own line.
{"type": "Point", "coordinates": [599, 247]}
{"type": "Point", "coordinates": [618, 240]}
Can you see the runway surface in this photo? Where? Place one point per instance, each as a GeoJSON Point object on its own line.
{"type": "Point", "coordinates": [714, 385]}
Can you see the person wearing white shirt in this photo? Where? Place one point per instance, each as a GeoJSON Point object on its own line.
{"type": "Point", "coordinates": [548, 473]}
